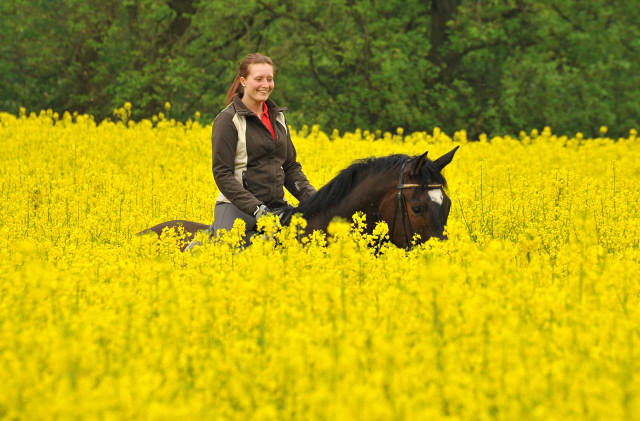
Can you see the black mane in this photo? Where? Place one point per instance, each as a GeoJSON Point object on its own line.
{"type": "Point", "coordinates": [341, 185]}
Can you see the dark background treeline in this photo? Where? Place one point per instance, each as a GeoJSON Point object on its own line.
{"type": "Point", "coordinates": [487, 66]}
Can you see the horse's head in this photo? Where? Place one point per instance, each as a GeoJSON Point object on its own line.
{"type": "Point", "coordinates": [420, 204]}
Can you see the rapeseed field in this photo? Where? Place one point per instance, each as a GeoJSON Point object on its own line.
{"type": "Point", "coordinates": [530, 311]}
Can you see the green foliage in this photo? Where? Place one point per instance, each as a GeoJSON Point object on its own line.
{"type": "Point", "coordinates": [493, 66]}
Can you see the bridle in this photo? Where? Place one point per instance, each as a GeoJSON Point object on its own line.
{"type": "Point", "coordinates": [401, 205]}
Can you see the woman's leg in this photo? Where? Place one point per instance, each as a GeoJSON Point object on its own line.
{"type": "Point", "coordinates": [225, 215]}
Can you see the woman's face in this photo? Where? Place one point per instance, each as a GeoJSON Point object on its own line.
{"type": "Point", "coordinates": [259, 82]}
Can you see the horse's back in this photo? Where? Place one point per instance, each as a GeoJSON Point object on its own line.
{"type": "Point", "coordinates": [190, 227]}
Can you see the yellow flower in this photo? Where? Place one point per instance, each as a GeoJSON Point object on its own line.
{"type": "Point", "coordinates": [534, 295]}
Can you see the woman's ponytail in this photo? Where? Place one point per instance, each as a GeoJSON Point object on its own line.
{"type": "Point", "coordinates": [236, 88]}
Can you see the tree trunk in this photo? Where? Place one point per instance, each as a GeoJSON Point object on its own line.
{"type": "Point", "coordinates": [442, 11]}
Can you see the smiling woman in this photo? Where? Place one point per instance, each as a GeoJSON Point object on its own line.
{"type": "Point", "coordinates": [253, 156]}
{"type": "Point", "coordinates": [257, 86]}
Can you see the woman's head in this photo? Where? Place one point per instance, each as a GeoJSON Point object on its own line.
{"type": "Point", "coordinates": [262, 64]}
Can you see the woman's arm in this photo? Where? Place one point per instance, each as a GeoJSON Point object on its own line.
{"type": "Point", "coordinates": [224, 141]}
{"type": "Point", "coordinates": [294, 179]}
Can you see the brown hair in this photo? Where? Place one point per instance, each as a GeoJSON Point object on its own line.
{"type": "Point", "coordinates": [243, 71]}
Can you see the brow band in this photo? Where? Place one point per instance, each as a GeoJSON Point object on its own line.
{"type": "Point", "coordinates": [417, 186]}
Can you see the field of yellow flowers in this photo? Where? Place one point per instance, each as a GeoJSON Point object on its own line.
{"type": "Point", "coordinates": [530, 311]}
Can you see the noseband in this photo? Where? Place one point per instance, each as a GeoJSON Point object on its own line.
{"type": "Point", "coordinates": [401, 207]}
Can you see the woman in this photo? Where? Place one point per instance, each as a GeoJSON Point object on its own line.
{"type": "Point", "coordinates": [253, 156]}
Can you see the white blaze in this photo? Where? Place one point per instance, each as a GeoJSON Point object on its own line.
{"type": "Point", "coordinates": [436, 196]}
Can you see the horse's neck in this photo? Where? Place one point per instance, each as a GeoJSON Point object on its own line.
{"type": "Point", "coordinates": [365, 197]}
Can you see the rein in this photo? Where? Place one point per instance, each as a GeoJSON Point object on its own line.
{"type": "Point", "coordinates": [401, 205]}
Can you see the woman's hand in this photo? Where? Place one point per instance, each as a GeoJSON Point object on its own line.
{"type": "Point", "coordinates": [261, 211]}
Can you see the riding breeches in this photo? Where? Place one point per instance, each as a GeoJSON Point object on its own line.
{"type": "Point", "coordinates": [225, 215]}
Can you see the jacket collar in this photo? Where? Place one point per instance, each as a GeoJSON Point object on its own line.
{"type": "Point", "coordinates": [242, 109]}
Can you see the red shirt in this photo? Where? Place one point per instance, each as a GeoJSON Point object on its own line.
{"type": "Point", "coordinates": [267, 121]}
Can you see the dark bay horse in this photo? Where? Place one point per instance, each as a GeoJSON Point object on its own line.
{"type": "Point", "coordinates": [405, 192]}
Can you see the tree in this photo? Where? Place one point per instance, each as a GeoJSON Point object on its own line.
{"type": "Point", "coordinates": [490, 66]}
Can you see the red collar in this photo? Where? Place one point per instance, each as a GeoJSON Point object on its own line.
{"type": "Point", "coordinates": [266, 120]}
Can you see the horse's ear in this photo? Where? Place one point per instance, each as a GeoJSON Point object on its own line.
{"type": "Point", "coordinates": [444, 160]}
{"type": "Point", "coordinates": [419, 164]}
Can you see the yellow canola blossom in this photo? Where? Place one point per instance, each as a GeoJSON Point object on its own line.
{"type": "Point", "coordinates": [530, 310]}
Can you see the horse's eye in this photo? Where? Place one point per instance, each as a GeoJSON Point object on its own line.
{"type": "Point", "coordinates": [416, 209]}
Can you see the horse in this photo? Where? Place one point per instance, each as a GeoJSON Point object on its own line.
{"type": "Point", "coordinates": [406, 192]}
